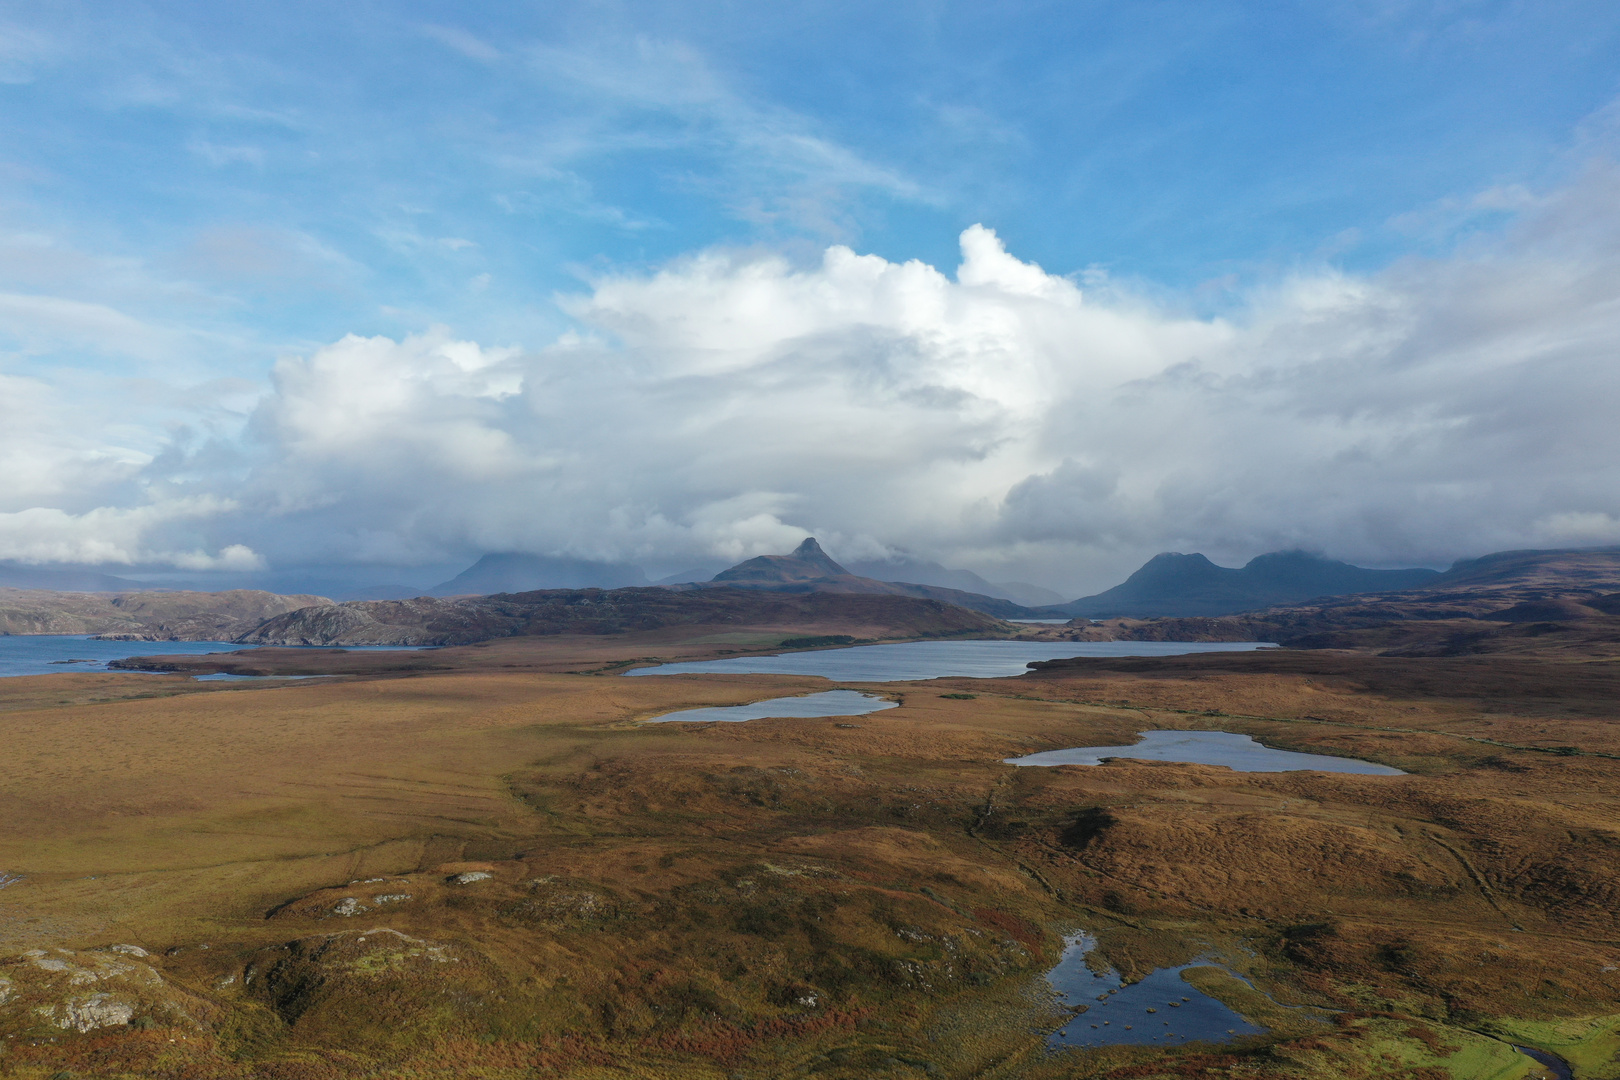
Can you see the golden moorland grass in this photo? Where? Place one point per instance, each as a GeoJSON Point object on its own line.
{"type": "Point", "coordinates": [496, 869]}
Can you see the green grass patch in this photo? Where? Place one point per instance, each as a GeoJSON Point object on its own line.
{"type": "Point", "coordinates": [1591, 1044]}
{"type": "Point", "coordinates": [1404, 1045]}
{"type": "Point", "coordinates": [1254, 1004]}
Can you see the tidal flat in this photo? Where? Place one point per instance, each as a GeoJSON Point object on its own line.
{"type": "Point", "coordinates": [489, 867]}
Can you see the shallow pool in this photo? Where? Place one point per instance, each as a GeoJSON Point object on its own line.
{"type": "Point", "coordinates": [1161, 1010]}
{"type": "Point", "coordinates": [912, 660]}
{"type": "Point", "coordinates": [1238, 752]}
{"type": "Point", "coordinates": [827, 703]}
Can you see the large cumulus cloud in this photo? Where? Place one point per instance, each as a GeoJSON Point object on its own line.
{"type": "Point", "coordinates": [1002, 419]}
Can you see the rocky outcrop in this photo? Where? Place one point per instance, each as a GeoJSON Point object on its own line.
{"type": "Point", "coordinates": [89, 990]}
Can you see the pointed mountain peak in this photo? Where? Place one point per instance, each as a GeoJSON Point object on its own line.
{"type": "Point", "coordinates": [808, 562]}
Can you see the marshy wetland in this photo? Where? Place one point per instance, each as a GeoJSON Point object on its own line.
{"type": "Point", "coordinates": [481, 862]}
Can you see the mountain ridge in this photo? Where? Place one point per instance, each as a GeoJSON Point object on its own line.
{"type": "Point", "coordinates": [1176, 584]}
{"type": "Point", "coordinates": [464, 620]}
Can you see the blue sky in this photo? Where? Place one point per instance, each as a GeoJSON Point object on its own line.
{"type": "Point", "coordinates": [191, 192]}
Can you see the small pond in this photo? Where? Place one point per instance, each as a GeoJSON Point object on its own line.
{"type": "Point", "coordinates": [1238, 752]}
{"type": "Point", "coordinates": [912, 660]}
{"type": "Point", "coordinates": [827, 703]}
{"type": "Point", "coordinates": [1161, 1010]}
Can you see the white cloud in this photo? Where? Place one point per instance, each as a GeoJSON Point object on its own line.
{"type": "Point", "coordinates": [731, 403]}
{"type": "Point", "coordinates": [118, 536]}
{"type": "Point", "coordinates": [46, 322]}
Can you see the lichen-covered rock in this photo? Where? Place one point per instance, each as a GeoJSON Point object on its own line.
{"type": "Point", "coordinates": [90, 1013]}
{"type": "Point", "coordinates": [64, 990]}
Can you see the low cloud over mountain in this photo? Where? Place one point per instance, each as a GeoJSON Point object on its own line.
{"type": "Point", "coordinates": [1004, 420]}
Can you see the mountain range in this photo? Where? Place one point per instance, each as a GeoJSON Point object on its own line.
{"type": "Point", "coordinates": [1175, 584]}
{"type": "Point", "coordinates": [1171, 584]}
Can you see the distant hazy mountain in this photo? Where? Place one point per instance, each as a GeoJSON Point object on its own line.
{"type": "Point", "coordinates": [513, 573]}
{"type": "Point", "coordinates": [922, 572]}
{"type": "Point", "coordinates": [1177, 584]}
{"type": "Point", "coordinates": [17, 576]}
{"type": "Point", "coordinates": [810, 569]}
{"type": "Point", "coordinates": [699, 573]}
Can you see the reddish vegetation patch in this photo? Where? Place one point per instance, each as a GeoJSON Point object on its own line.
{"type": "Point", "coordinates": [727, 1042]}
{"type": "Point", "coordinates": [1196, 1065]}
{"type": "Point", "coordinates": [1022, 931]}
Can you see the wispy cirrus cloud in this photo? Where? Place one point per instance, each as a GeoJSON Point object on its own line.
{"type": "Point", "coordinates": [460, 41]}
{"type": "Point", "coordinates": [649, 94]}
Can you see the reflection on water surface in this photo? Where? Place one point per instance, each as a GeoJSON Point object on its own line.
{"type": "Point", "coordinates": [1161, 1010]}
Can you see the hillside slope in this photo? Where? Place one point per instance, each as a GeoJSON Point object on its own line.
{"type": "Point", "coordinates": [430, 621]}
{"type": "Point", "coordinates": [145, 616]}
